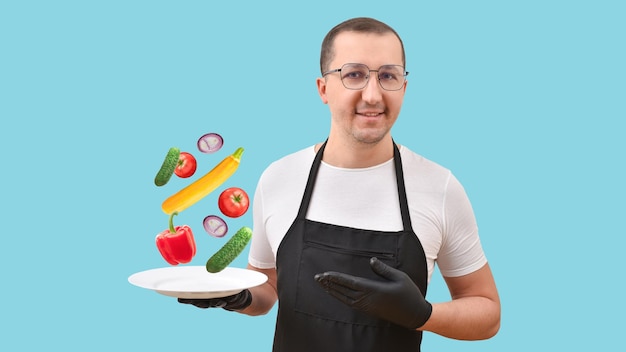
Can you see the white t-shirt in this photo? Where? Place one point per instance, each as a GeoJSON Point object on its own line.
{"type": "Point", "coordinates": [367, 198]}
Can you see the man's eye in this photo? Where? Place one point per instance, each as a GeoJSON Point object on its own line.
{"type": "Point", "coordinates": [354, 75]}
{"type": "Point", "coordinates": [388, 76]}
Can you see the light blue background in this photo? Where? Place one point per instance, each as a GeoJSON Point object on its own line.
{"type": "Point", "coordinates": [523, 100]}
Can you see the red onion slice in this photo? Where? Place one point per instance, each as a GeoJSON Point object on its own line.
{"type": "Point", "coordinates": [215, 226]}
{"type": "Point", "coordinates": [210, 143]}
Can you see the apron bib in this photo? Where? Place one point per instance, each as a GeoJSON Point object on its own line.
{"type": "Point", "coordinates": [309, 319]}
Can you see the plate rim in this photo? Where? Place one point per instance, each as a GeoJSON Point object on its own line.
{"type": "Point", "coordinates": [261, 278]}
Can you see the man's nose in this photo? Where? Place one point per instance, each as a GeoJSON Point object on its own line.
{"type": "Point", "coordinates": [372, 92]}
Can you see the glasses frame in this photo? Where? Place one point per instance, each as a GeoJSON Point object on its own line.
{"type": "Point", "coordinates": [406, 73]}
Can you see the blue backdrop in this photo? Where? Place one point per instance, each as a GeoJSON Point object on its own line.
{"type": "Point", "coordinates": [523, 100]}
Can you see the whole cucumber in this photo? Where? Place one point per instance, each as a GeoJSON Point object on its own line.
{"type": "Point", "coordinates": [167, 168]}
{"type": "Point", "coordinates": [235, 245]}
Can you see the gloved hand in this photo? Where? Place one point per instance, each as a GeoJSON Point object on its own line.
{"type": "Point", "coordinates": [237, 301]}
{"type": "Point", "coordinates": [396, 298]}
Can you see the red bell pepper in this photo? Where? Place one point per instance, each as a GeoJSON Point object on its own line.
{"type": "Point", "coordinates": [176, 244]}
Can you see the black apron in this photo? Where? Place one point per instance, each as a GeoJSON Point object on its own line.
{"type": "Point", "coordinates": [309, 319]}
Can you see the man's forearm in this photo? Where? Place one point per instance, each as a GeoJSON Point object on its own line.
{"type": "Point", "coordinates": [263, 299]}
{"type": "Point", "coordinates": [468, 318]}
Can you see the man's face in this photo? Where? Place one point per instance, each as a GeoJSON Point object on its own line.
{"type": "Point", "coordinates": [365, 115]}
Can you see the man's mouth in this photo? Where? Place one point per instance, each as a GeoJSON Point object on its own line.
{"type": "Point", "coordinates": [369, 114]}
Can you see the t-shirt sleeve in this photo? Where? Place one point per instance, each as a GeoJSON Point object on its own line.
{"type": "Point", "coordinates": [461, 252]}
{"type": "Point", "coordinates": [260, 255]}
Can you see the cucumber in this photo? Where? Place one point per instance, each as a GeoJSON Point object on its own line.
{"type": "Point", "coordinates": [235, 245]}
{"type": "Point", "coordinates": [168, 167]}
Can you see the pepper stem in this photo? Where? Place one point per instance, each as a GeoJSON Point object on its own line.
{"type": "Point", "coordinates": [172, 230]}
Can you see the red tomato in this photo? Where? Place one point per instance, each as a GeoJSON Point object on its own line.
{"type": "Point", "coordinates": [186, 165]}
{"type": "Point", "coordinates": [233, 202]}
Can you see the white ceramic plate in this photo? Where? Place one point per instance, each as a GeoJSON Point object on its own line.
{"type": "Point", "coordinates": [196, 282]}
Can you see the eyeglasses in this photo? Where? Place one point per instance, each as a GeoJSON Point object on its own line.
{"type": "Point", "coordinates": [356, 76]}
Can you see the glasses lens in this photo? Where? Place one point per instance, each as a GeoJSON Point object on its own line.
{"type": "Point", "coordinates": [391, 77]}
{"type": "Point", "coordinates": [354, 76]}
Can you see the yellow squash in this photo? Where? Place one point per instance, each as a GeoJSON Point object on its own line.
{"type": "Point", "coordinates": [200, 188]}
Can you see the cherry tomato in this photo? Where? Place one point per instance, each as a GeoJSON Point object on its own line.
{"type": "Point", "coordinates": [186, 165]}
{"type": "Point", "coordinates": [233, 202]}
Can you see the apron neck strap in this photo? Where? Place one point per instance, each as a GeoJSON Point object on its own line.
{"type": "Point", "coordinates": [404, 203]}
{"type": "Point", "coordinates": [310, 183]}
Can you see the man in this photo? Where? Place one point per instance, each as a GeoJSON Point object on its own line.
{"type": "Point", "coordinates": [348, 231]}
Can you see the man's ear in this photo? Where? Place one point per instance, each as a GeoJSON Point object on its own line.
{"type": "Point", "coordinates": [321, 89]}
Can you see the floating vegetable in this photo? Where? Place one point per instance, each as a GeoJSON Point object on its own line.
{"type": "Point", "coordinates": [229, 251]}
{"type": "Point", "coordinates": [233, 202]}
{"type": "Point", "coordinates": [186, 165]}
{"type": "Point", "coordinates": [176, 244]}
{"type": "Point", "coordinates": [210, 143]}
{"type": "Point", "coordinates": [167, 168]}
{"type": "Point", "coordinates": [215, 226]}
{"type": "Point", "coordinates": [200, 188]}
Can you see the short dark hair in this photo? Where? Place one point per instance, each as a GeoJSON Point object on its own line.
{"type": "Point", "coordinates": [358, 24]}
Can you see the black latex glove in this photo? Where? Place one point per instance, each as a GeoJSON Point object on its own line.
{"type": "Point", "coordinates": [235, 302]}
{"type": "Point", "coordinates": [396, 298]}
